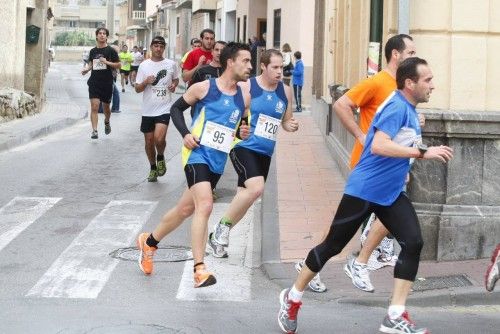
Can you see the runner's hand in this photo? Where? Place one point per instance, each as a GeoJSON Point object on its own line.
{"type": "Point", "coordinates": [191, 141]}
{"type": "Point", "coordinates": [171, 88]}
{"type": "Point", "coordinates": [244, 130]}
{"type": "Point", "coordinates": [149, 80]}
{"type": "Point", "coordinates": [102, 60]}
{"type": "Point", "coordinates": [441, 153]}
{"type": "Point", "coordinates": [291, 125]}
{"type": "Point", "coordinates": [421, 119]}
{"type": "Point", "coordinates": [202, 60]}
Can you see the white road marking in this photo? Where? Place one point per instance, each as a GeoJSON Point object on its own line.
{"type": "Point", "coordinates": [83, 269]}
{"type": "Point", "coordinates": [20, 213]}
{"type": "Point", "coordinates": [233, 278]}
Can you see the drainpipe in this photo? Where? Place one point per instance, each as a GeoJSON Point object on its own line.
{"type": "Point", "coordinates": [375, 44]}
{"type": "Point", "coordinates": [404, 17]}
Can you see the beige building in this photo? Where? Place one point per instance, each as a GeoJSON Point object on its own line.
{"type": "Point", "coordinates": [457, 203]}
{"type": "Point", "coordinates": [293, 22]}
{"type": "Point", "coordinates": [75, 15]}
{"type": "Point", "coordinates": [24, 51]}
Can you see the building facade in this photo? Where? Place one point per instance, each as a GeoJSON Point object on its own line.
{"type": "Point", "coordinates": [24, 53]}
{"type": "Point", "coordinates": [457, 203]}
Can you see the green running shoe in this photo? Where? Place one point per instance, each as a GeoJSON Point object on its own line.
{"type": "Point", "coordinates": [153, 176]}
{"type": "Point", "coordinates": [161, 167]}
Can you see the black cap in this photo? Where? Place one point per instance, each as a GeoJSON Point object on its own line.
{"type": "Point", "coordinates": [158, 40]}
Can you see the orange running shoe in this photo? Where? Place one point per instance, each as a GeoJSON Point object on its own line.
{"type": "Point", "coordinates": [202, 277]}
{"type": "Point", "coordinates": [146, 254]}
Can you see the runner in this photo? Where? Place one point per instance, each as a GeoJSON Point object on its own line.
{"type": "Point", "coordinates": [219, 105]}
{"type": "Point", "coordinates": [377, 249]}
{"type": "Point", "coordinates": [126, 59]}
{"type": "Point", "coordinates": [270, 106]}
{"type": "Point", "coordinates": [102, 60]}
{"type": "Point", "coordinates": [157, 78]}
{"type": "Point", "coordinates": [375, 185]}
{"type": "Point", "coordinates": [198, 57]}
{"type": "Point", "coordinates": [134, 67]}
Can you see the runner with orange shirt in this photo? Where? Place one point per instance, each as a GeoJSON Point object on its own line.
{"type": "Point", "coordinates": [368, 95]}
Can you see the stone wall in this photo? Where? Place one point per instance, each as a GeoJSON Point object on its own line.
{"type": "Point", "coordinates": [458, 203]}
{"type": "Point", "coordinates": [15, 104]}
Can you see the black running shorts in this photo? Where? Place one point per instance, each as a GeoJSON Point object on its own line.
{"type": "Point", "coordinates": [148, 122]}
{"type": "Point", "coordinates": [196, 173]}
{"type": "Point", "coordinates": [248, 164]}
{"type": "Point", "coordinates": [101, 91]}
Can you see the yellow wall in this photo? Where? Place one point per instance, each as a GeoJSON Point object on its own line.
{"type": "Point", "coordinates": [460, 39]}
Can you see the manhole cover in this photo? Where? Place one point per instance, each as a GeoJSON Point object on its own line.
{"type": "Point", "coordinates": [163, 254]}
{"type": "Point", "coordinates": [441, 282]}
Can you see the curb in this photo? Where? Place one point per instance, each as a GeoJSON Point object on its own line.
{"type": "Point", "coordinates": [26, 134]}
{"type": "Point", "coordinates": [445, 297]}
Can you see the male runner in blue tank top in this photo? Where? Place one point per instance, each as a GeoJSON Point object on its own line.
{"type": "Point", "coordinates": [270, 107]}
{"type": "Point", "coordinates": [219, 104]}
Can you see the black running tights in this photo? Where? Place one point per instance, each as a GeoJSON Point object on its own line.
{"type": "Point", "coordinates": [399, 218]}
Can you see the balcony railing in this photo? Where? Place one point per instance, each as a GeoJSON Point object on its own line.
{"type": "Point", "coordinates": [138, 15]}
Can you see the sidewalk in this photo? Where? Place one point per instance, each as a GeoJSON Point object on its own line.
{"type": "Point", "coordinates": [307, 192]}
{"type": "Point", "coordinates": [58, 112]}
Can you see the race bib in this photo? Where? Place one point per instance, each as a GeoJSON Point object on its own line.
{"type": "Point", "coordinates": [267, 127]}
{"type": "Point", "coordinates": [161, 93]}
{"type": "Point", "coordinates": [97, 65]}
{"type": "Point", "coordinates": [217, 136]}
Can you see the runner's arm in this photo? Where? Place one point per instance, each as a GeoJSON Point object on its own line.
{"type": "Point", "coordinates": [383, 145]}
{"type": "Point", "coordinates": [289, 123]}
{"type": "Point", "coordinates": [193, 95]}
{"type": "Point", "coordinates": [344, 108]}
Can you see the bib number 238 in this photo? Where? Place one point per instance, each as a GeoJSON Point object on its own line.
{"type": "Point", "coordinates": [217, 136]}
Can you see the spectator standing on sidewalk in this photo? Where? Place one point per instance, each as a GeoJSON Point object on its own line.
{"type": "Point", "coordinates": [199, 56]}
{"type": "Point", "coordinates": [375, 185]}
{"type": "Point", "coordinates": [157, 79]}
{"type": "Point", "coordinates": [286, 51]}
{"type": "Point", "coordinates": [126, 59]}
{"type": "Point", "coordinates": [298, 80]}
{"type": "Point", "coordinates": [103, 60]}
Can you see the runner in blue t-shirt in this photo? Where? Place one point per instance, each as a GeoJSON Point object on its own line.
{"type": "Point", "coordinates": [375, 185]}
{"type": "Point", "coordinates": [219, 105]}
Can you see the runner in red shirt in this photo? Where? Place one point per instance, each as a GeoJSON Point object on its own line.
{"type": "Point", "coordinates": [200, 56]}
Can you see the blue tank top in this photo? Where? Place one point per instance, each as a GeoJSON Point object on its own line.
{"type": "Point", "coordinates": [266, 112]}
{"type": "Point", "coordinates": [215, 119]}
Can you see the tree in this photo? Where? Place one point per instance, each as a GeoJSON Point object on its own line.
{"type": "Point", "coordinates": [74, 38]}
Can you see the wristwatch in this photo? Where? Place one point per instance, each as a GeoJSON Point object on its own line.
{"type": "Point", "coordinates": [422, 148]}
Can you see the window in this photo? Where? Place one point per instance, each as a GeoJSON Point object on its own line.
{"type": "Point", "coordinates": [177, 25]}
{"type": "Point", "coordinates": [277, 29]}
{"type": "Point", "coordinates": [72, 24]}
{"type": "Point", "coordinates": [238, 29]}
{"type": "Point", "coordinates": [244, 28]}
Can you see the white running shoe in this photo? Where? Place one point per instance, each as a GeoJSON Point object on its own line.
{"type": "Point", "coordinates": [359, 275]}
{"type": "Point", "coordinates": [315, 284]}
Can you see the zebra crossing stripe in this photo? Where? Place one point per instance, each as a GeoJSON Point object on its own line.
{"type": "Point", "coordinates": [83, 269]}
{"type": "Point", "coordinates": [233, 278]}
{"type": "Point", "coordinates": [20, 213]}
